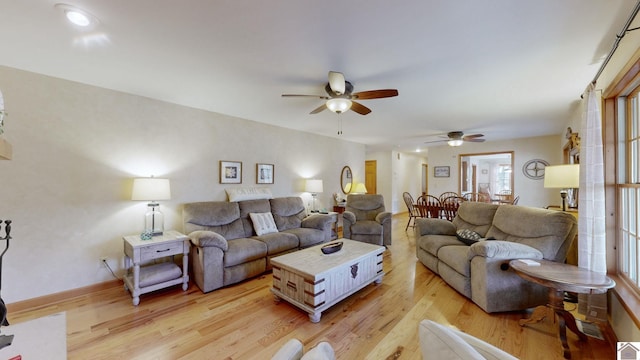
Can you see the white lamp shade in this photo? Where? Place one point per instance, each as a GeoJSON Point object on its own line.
{"type": "Point", "coordinates": [313, 186]}
{"type": "Point", "coordinates": [562, 176]}
{"type": "Point", "coordinates": [360, 189]}
{"type": "Point", "coordinates": [150, 189]}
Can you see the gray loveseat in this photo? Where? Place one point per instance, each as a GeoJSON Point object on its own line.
{"type": "Point", "coordinates": [480, 271]}
{"type": "Point", "coordinates": [225, 248]}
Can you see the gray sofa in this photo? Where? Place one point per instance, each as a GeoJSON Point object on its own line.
{"type": "Point", "coordinates": [480, 271]}
{"type": "Point", "coordinates": [225, 248]}
{"type": "Point", "coordinates": [366, 220]}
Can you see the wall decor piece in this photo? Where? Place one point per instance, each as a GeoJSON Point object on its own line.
{"type": "Point", "coordinates": [534, 169]}
{"type": "Point", "coordinates": [441, 171]}
{"type": "Point", "coordinates": [264, 173]}
{"type": "Point", "coordinates": [230, 172]}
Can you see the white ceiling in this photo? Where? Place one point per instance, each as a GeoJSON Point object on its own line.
{"type": "Point", "coordinates": [504, 68]}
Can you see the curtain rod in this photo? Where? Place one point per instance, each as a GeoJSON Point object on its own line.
{"type": "Point", "coordinates": [619, 37]}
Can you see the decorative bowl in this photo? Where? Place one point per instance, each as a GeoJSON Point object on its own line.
{"type": "Point", "coordinates": [331, 248]}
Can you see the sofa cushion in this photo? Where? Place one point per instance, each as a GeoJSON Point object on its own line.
{"type": "Point", "coordinates": [243, 250]}
{"type": "Point", "coordinates": [433, 243]}
{"type": "Point", "coordinates": [475, 216]}
{"type": "Point", "coordinates": [368, 227]}
{"type": "Point", "coordinates": [279, 241]}
{"type": "Point", "coordinates": [263, 223]}
{"type": "Point", "coordinates": [468, 236]}
{"type": "Point", "coordinates": [546, 230]}
{"type": "Point", "coordinates": [307, 237]}
{"type": "Point", "coordinates": [219, 216]}
{"type": "Point", "coordinates": [288, 212]}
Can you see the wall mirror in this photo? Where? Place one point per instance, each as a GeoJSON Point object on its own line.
{"type": "Point", "coordinates": [488, 173]}
{"type": "Point", "coordinates": [346, 180]}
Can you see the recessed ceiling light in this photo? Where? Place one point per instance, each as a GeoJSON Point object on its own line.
{"type": "Point", "coordinates": [77, 16]}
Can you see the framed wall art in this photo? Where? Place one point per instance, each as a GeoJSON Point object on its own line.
{"type": "Point", "coordinates": [230, 172]}
{"type": "Point", "coordinates": [264, 173]}
{"type": "Point", "coordinates": [440, 171]}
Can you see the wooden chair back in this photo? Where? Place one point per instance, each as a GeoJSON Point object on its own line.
{"type": "Point", "coordinates": [450, 206]}
{"type": "Point", "coordinates": [447, 194]}
{"type": "Point", "coordinates": [477, 197]}
{"type": "Point", "coordinates": [429, 206]}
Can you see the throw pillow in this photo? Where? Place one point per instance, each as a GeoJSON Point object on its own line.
{"type": "Point", "coordinates": [263, 223]}
{"type": "Point", "coordinates": [467, 236]}
{"type": "Point", "coordinates": [248, 193]}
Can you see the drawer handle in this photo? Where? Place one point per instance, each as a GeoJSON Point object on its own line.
{"type": "Point", "coordinates": [159, 251]}
{"type": "Point", "coordinates": [292, 285]}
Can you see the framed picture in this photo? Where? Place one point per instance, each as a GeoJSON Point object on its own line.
{"type": "Point", "coordinates": [264, 173]}
{"type": "Point", "coordinates": [441, 171]}
{"type": "Point", "coordinates": [230, 172]}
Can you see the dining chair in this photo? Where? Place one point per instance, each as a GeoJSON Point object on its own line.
{"type": "Point", "coordinates": [429, 206]}
{"type": "Point", "coordinates": [413, 209]}
{"type": "Point", "coordinates": [450, 206]}
{"type": "Point", "coordinates": [477, 197]}
{"type": "Point", "coordinates": [447, 194]}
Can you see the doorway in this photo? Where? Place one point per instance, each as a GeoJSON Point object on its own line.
{"type": "Point", "coordinates": [371, 176]}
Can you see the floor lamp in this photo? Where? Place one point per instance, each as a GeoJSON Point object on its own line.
{"type": "Point", "coordinates": [565, 177]}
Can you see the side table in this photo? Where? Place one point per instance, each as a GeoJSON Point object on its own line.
{"type": "Point", "coordinates": [141, 278]}
{"type": "Point", "coordinates": [558, 278]}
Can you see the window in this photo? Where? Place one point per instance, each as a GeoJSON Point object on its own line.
{"type": "Point", "coordinates": [628, 188]}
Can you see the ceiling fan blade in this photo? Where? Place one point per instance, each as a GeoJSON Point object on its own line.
{"type": "Point", "coordinates": [375, 94]}
{"type": "Point", "coordinates": [299, 95]}
{"type": "Point", "coordinates": [473, 140]}
{"type": "Point", "coordinates": [434, 141]}
{"type": "Point", "coordinates": [336, 82]}
{"type": "Point", "coordinates": [318, 109]}
{"type": "Point", "coordinates": [473, 136]}
{"type": "Point", "coordinates": [359, 108]}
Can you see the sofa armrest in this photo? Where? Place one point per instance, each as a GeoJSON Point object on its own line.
{"type": "Point", "coordinates": [383, 216]}
{"type": "Point", "coordinates": [503, 250]}
{"type": "Point", "coordinates": [203, 238]}
{"type": "Point", "coordinates": [430, 226]}
{"type": "Point", "coordinates": [349, 216]}
{"type": "Point", "coordinates": [316, 221]}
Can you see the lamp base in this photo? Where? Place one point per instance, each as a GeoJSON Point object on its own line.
{"type": "Point", "coordinates": [154, 220]}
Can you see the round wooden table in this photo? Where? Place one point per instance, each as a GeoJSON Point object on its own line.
{"type": "Point", "coordinates": [559, 277]}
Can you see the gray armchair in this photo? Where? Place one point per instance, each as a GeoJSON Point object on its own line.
{"type": "Point", "coordinates": [366, 220]}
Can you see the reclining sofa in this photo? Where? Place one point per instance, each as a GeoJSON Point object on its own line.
{"type": "Point", "coordinates": [226, 248]}
{"type": "Point", "coordinates": [479, 268]}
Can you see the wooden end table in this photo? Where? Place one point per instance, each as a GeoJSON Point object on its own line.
{"type": "Point", "coordinates": [558, 278]}
{"type": "Point", "coordinates": [139, 252]}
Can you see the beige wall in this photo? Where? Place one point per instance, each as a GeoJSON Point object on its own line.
{"type": "Point", "coordinates": [76, 149]}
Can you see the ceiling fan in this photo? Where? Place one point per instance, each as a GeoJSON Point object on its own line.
{"type": "Point", "coordinates": [456, 138]}
{"type": "Point", "coordinates": [341, 96]}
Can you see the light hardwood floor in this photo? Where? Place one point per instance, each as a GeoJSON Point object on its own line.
{"type": "Point", "coordinates": [243, 321]}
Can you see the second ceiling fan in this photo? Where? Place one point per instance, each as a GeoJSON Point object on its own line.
{"type": "Point", "coordinates": [340, 96]}
{"type": "Point", "coordinates": [456, 138]}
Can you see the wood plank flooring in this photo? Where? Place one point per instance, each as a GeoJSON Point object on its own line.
{"type": "Point", "coordinates": [243, 321]}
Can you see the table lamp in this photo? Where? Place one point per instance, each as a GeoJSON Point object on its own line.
{"type": "Point", "coordinates": [313, 186]}
{"type": "Point", "coordinates": [565, 177]}
{"type": "Point", "coordinates": [360, 189]}
{"type": "Point", "coordinates": [152, 189]}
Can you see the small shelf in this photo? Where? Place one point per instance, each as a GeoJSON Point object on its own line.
{"type": "Point", "coordinates": [6, 151]}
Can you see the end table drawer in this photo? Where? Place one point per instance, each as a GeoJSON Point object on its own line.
{"type": "Point", "coordinates": [161, 250]}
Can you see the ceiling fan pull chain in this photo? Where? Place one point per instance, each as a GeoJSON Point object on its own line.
{"type": "Point", "coordinates": [340, 125]}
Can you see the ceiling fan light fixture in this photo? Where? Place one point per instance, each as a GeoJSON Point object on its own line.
{"type": "Point", "coordinates": [339, 105]}
{"type": "Point", "coordinates": [78, 17]}
{"type": "Point", "coordinates": [456, 142]}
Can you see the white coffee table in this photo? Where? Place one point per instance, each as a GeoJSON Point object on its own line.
{"type": "Point", "coordinates": [313, 281]}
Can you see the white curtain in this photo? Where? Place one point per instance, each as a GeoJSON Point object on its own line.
{"type": "Point", "coordinates": [591, 221]}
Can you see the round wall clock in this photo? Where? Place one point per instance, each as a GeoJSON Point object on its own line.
{"type": "Point", "coordinates": [534, 169]}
